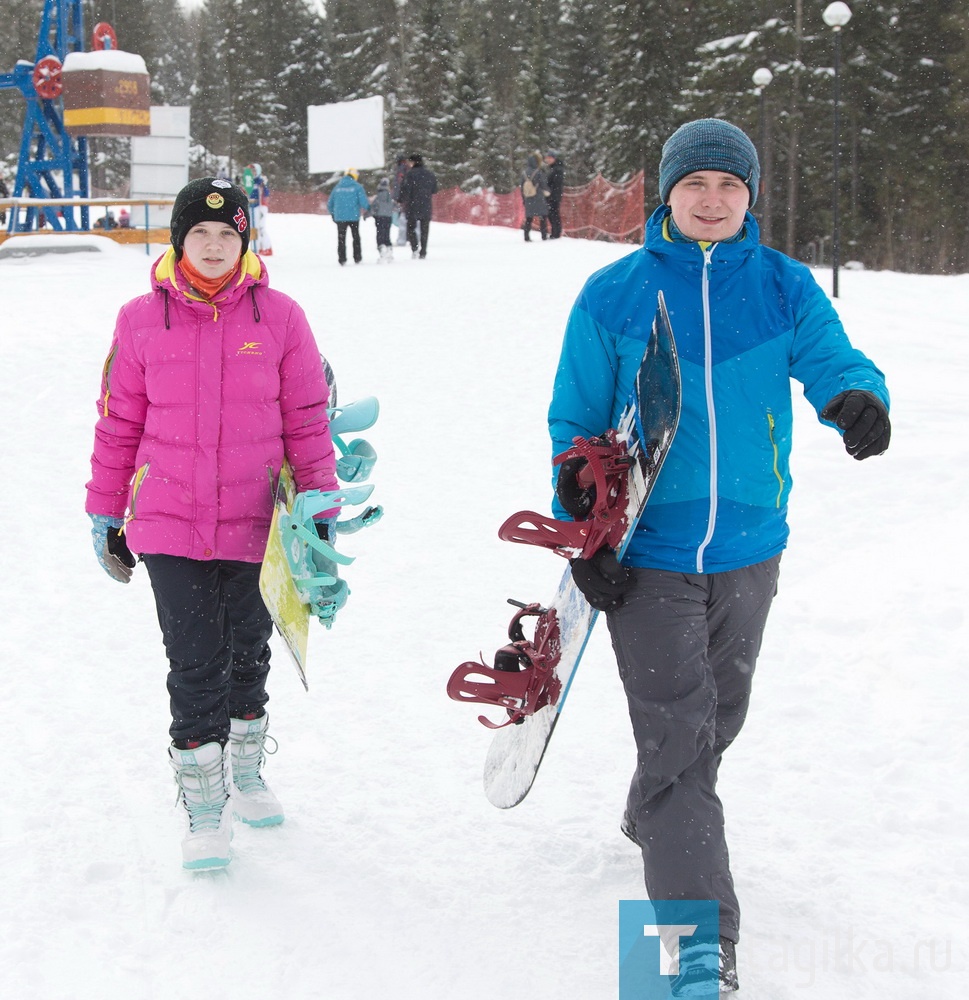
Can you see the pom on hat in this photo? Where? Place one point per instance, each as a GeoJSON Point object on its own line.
{"type": "Point", "coordinates": [209, 199]}
{"type": "Point", "coordinates": [708, 144]}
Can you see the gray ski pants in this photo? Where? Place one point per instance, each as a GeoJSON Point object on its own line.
{"type": "Point", "coordinates": [687, 645]}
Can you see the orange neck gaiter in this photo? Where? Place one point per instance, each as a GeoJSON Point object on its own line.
{"type": "Point", "coordinates": [206, 287]}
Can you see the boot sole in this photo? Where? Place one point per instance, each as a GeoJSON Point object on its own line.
{"type": "Point", "coordinates": [265, 821]}
{"type": "Point", "coordinates": [205, 864]}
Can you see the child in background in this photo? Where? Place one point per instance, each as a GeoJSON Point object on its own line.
{"type": "Point", "coordinates": [382, 209]}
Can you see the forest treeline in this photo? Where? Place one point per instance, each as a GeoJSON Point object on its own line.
{"type": "Point", "coordinates": [474, 85]}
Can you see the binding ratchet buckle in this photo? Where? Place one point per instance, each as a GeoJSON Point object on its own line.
{"type": "Point", "coordinates": [523, 679]}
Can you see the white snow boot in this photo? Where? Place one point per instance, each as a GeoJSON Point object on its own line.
{"type": "Point", "coordinates": [252, 800]}
{"type": "Point", "coordinates": [202, 776]}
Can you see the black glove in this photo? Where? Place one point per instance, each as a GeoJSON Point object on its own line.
{"type": "Point", "coordinates": [118, 560]}
{"type": "Point", "coordinates": [864, 419]}
{"type": "Point", "coordinates": [602, 580]}
{"type": "Point", "coordinates": [577, 500]}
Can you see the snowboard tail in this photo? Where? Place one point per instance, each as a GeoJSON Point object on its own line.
{"type": "Point", "coordinates": [531, 679]}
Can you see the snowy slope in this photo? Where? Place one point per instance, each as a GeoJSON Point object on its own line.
{"type": "Point", "coordinates": [846, 795]}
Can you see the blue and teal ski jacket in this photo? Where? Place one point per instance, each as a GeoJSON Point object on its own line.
{"type": "Point", "coordinates": [347, 201]}
{"type": "Point", "coordinates": [746, 320]}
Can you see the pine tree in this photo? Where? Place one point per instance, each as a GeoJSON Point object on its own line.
{"type": "Point", "coordinates": [580, 105]}
{"type": "Point", "coordinates": [650, 43]}
{"type": "Point", "coordinates": [18, 40]}
{"type": "Point", "coordinates": [362, 38]}
{"type": "Point", "coordinates": [427, 113]}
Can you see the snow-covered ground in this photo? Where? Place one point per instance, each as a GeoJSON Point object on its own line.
{"type": "Point", "coordinates": [392, 876]}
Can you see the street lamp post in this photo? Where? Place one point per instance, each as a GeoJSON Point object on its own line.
{"type": "Point", "coordinates": [836, 16]}
{"type": "Point", "coordinates": [762, 78]}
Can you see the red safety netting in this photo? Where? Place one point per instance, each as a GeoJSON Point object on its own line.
{"type": "Point", "coordinates": [599, 210]}
{"type": "Point", "coordinates": [301, 204]}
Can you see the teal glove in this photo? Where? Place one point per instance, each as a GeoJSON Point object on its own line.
{"type": "Point", "coordinates": [111, 547]}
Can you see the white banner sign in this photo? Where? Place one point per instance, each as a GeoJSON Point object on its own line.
{"type": "Point", "coordinates": [344, 135]}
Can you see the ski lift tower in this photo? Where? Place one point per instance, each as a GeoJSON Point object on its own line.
{"type": "Point", "coordinates": [52, 164]}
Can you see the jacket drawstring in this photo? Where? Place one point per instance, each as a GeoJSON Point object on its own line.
{"type": "Point", "coordinates": [255, 308]}
{"type": "Point", "coordinates": [168, 324]}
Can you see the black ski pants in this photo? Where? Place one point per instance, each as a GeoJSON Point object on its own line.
{"type": "Point", "coordinates": [687, 645]}
{"type": "Point", "coordinates": [216, 631]}
{"type": "Point", "coordinates": [413, 222]}
{"type": "Point", "coordinates": [341, 241]}
{"type": "Point", "coordinates": [382, 223]}
{"type": "Point", "coordinates": [554, 219]}
{"type": "Point", "coordinates": [542, 226]}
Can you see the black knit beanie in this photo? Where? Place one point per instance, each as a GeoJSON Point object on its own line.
{"type": "Point", "coordinates": [209, 199]}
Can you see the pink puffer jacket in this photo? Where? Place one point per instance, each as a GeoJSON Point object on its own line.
{"type": "Point", "coordinates": [200, 403]}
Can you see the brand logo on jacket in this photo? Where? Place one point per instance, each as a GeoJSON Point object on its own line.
{"type": "Point", "coordinates": [250, 347]}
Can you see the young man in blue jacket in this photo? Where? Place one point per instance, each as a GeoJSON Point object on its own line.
{"type": "Point", "coordinates": [687, 609]}
{"type": "Point", "coordinates": [347, 202]}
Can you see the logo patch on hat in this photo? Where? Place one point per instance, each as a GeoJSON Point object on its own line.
{"type": "Point", "coordinates": [240, 220]}
{"type": "Point", "coordinates": [214, 201]}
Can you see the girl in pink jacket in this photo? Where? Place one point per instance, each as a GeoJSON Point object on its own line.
{"type": "Point", "coordinates": [212, 381]}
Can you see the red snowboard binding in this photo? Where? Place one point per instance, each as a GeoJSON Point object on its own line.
{"type": "Point", "coordinates": [607, 468]}
{"type": "Point", "coordinates": [523, 679]}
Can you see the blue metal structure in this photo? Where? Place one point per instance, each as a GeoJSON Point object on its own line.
{"type": "Point", "coordinates": [52, 163]}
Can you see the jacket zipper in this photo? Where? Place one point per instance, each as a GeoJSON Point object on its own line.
{"type": "Point", "coordinates": [773, 444]}
{"type": "Point", "coordinates": [139, 478]}
{"type": "Point", "coordinates": [711, 414]}
{"type": "Point", "coordinates": [106, 378]}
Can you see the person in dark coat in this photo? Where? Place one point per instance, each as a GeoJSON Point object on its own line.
{"type": "Point", "coordinates": [534, 188]}
{"type": "Point", "coordinates": [416, 190]}
{"type": "Point", "coordinates": [403, 166]}
{"type": "Point", "coordinates": [555, 172]}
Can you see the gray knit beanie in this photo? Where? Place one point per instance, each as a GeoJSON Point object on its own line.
{"type": "Point", "coordinates": [708, 144]}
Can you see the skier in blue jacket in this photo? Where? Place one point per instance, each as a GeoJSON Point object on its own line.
{"type": "Point", "coordinates": [347, 202]}
{"type": "Point", "coordinates": [687, 609]}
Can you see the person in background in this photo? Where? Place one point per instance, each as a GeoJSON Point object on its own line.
{"type": "Point", "coordinates": [416, 197]}
{"type": "Point", "coordinates": [403, 165]}
{"type": "Point", "coordinates": [534, 190]}
{"type": "Point", "coordinates": [555, 174]}
{"type": "Point", "coordinates": [4, 193]}
{"type": "Point", "coordinates": [347, 202]}
{"type": "Point", "coordinates": [213, 380]}
{"type": "Point", "coordinates": [687, 608]}
{"type": "Point", "coordinates": [259, 207]}
{"type": "Point", "coordinates": [382, 209]}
